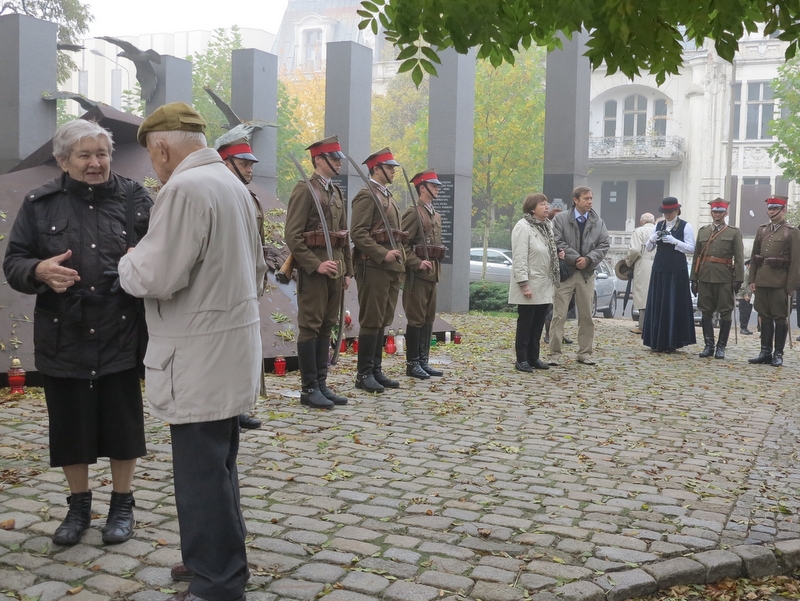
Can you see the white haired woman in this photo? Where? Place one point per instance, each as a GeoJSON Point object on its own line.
{"type": "Point", "coordinates": [64, 247]}
{"type": "Point", "coordinates": [534, 277]}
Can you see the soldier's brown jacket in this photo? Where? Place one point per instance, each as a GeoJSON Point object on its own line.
{"type": "Point", "coordinates": [784, 243]}
{"type": "Point", "coordinates": [367, 218]}
{"type": "Point", "coordinates": [725, 245]}
{"type": "Point", "coordinates": [432, 226]}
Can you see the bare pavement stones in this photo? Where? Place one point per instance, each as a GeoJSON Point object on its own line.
{"type": "Point", "coordinates": [646, 471]}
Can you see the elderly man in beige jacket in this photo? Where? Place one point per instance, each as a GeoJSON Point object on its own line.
{"type": "Point", "coordinates": [197, 270]}
{"type": "Point", "coordinates": [641, 260]}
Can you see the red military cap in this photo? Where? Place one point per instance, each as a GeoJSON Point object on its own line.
{"type": "Point", "coordinates": [428, 176]}
{"type": "Point", "coordinates": [383, 157]}
{"type": "Point", "coordinates": [329, 146]}
{"type": "Point", "coordinates": [719, 204]}
{"type": "Point", "coordinates": [776, 201]}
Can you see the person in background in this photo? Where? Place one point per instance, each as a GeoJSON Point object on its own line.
{"type": "Point", "coordinates": [641, 260]}
{"type": "Point", "coordinates": [534, 278]}
{"type": "Point", "coordinates": [64, 247]}
{"type": "Point", "coordinates": [235, 150]}
{"type": "Point", "coordinates": [744, 297]}
{"type": "Point", "coordinates": [669, 321]}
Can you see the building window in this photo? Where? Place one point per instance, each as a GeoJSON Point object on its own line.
{"type": "Point", "coordinates": [737, 109]}
{"type": "Point", "coordinates": [610, 119]}
{"type": "Point", "coordinates": [312, 49]}
{"type": "Point", "coordinates": [634, 116]}
{"type": "Point", "coordinates": [760, 110]}
{"type": "Point", "coordinates": [660, 118]}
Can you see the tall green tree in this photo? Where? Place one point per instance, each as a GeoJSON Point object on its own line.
{"type": "Point", "coordinates": [509, 140]}
{"type": "Point", "coordinates": [290, 140]}
{"type": "Point", "coordinates": [786, 150]}
{"type": "Point", "coordinates": [212, 68]}
{"type": "Point", "coordinates": [71, 16]}
{"type": "Point", "coordinates": [400, 121]}
{"type": "Point", "coordinates": [627, 36]}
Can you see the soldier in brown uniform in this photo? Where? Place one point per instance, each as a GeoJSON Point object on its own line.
{"type": "Point", "coordinates": [320, 281]}
{"type": "Point", "coordinates": [717, 274]}
{"type": "Point", "coordinates": [379, 269]}
{"type": "Point", "coordinates": [239, 158]}
{"type": "Point", "coordinates": [422, 275]}
{"type": "Point", "coordinates": [774, 274]}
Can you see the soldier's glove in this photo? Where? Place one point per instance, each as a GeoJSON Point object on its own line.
{"type": "Point", "coordinates": [693, 286]}
{"type": "Point", "coordinates": [736, 287]}
{"type": "Point", "coordinates": [669, 239]}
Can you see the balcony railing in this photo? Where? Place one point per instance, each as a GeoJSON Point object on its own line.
{"type": "Point", "coordinates": [664, 150]}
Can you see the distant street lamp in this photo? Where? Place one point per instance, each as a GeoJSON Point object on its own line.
{"type": "Point", "coordinates": [116, 79]}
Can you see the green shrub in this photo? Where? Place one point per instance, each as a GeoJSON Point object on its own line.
{"type": "Point", "coordinates": [488, 296]}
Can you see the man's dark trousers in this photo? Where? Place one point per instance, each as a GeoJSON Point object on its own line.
{"type": "Point", "coordinates": [209, 514]}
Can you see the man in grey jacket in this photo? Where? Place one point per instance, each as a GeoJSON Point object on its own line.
{"type": "Point", "coordinates": [583, 237]}
{"type": "Point", "coordinates": [195, 269]}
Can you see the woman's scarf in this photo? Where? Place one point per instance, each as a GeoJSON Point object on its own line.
{"type": "Point", "coordinates": [547, 231]}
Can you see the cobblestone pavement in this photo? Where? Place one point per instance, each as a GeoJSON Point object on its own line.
{"type": "Point", "coordinates": [582, 482]}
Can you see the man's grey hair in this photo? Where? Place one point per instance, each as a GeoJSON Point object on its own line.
{"type": "Point", "coordinates": [73, 132]}
{"type": "Point", "coordinates": [648, 218]}
{"type": "Point", "coordinates": [179, 139]}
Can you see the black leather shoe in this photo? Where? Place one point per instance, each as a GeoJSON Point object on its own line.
{"type": "Point", "coordinates": [312, 397]}
{"type": "Point", "coordinates": [413, 370]}
{"type": "Point", "coordinates": [336, 399]}
{"type": "Point", "coordinates": [187, 596]}
{"type": "Point", "coordinates": [777, 359]}
{"type": "Point", "coordinates": [431, 371]}
{"type": "Point", "coordinates": [248, 422]}
{"type": "Point", "coordinates": [368, 383]}
{"type": "Point", "coordinates": [77, 521]}
{"type": "Point", "coordinates": [566, 340]}
{"type": "Point", "coordinates": [745, 332]}
{"type": "Point", "coordinates": [523, 366]}
{"type": "Point", "coordinates": [539, 364]}
{"type": "Point", "coordinates": [181, 573]}
{"type": "Point", "coordinates": [764, 357]}
{"type": "Point", "coordinates": [384, 381]}
{"type": "Point", "coordinates": [120, 522]}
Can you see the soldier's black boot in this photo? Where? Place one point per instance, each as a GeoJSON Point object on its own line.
{"type": "Point", "coordinates": [412, 354]}
{"type": "Point", "coordinates": [708, 337]}
{"type": "Point", "coordinates": [377, 373]}
{"type": "Point", "coordinates": [307, 362]}
{"type": "Point", "coordinates": [323, 345]}
{"type": "Point", "coordinates": [119, 525]}
{"type": "Point", "coordinates": [77, 521]}
{"type": "Point", "coordinates": [426, 332]}
{"type": "Point", "coordinates": [781, 330]}
{"type": "Point", "coordinates": [767, 332]}
{"type": "Point", "coordinates": [366, 358]}
{"type": "Point", "coordinates": [722, 340]}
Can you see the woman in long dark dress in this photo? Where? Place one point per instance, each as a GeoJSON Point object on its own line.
{"type": "Point", "coordinates": [669, 319]}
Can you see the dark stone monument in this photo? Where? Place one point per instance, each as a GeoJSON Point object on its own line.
{"type": "Point", "coordinates": [27, 69]}
{"type": "Point", "coordinates": [450, 139]}
{"type": "Point", "coordinates": [348, 104]}
{"type": "Point", "coordinates": [566, 126]}
{"type": "Point", "coordinates": [174, 83]}
{"type": "Point", "coordinates": [254, 97]}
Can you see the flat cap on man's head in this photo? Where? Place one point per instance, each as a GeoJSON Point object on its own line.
{"type": "Point", "coordinates": [175, 116]}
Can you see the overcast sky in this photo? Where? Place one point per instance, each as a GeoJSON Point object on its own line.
{"type": "Point", "coordinates": [117, 18]}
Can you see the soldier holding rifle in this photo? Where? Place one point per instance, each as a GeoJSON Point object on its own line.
{"type": "Point", "coordinates": [379, 267]}
{"type": "Point", "coordinates": [774, 274]}
{"type": "Point", "coordinates": [424, 252]}
{"type": "Point", "coordinates": [322, 253]}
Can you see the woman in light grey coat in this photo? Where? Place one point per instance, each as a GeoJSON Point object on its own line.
{"type": "Point", "coordinates": [534, 277]}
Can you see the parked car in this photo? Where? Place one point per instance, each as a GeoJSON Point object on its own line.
{"type": "Point", "coordinates": [605, 290]}
{"type": "Point", "coordinates": [498, 264]}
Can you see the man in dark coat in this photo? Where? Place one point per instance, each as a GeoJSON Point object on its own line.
{"type": "Point", "coordinates": [321, 281]}
{"type": "Point", "coordinates": [423, 224]}
{"type": "Point", "coordinates": [379, 268]}
{"type": "Point", "coordinates": [717, 274]}
{"type": "Point", "coordinates": [774, 274]}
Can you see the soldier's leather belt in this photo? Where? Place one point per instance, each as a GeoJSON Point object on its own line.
{"type": "Point", "coordinates": [435, 252]}
{"type": "Point", "coordinates": [772, 261]}
{"type": "Point", "coordinates": [316, 239]}
{"type": "Point", "coordinates": [719, 260]}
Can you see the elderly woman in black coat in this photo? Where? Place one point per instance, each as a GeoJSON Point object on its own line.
{"type": "Point", "coordinates": [64, 247]}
